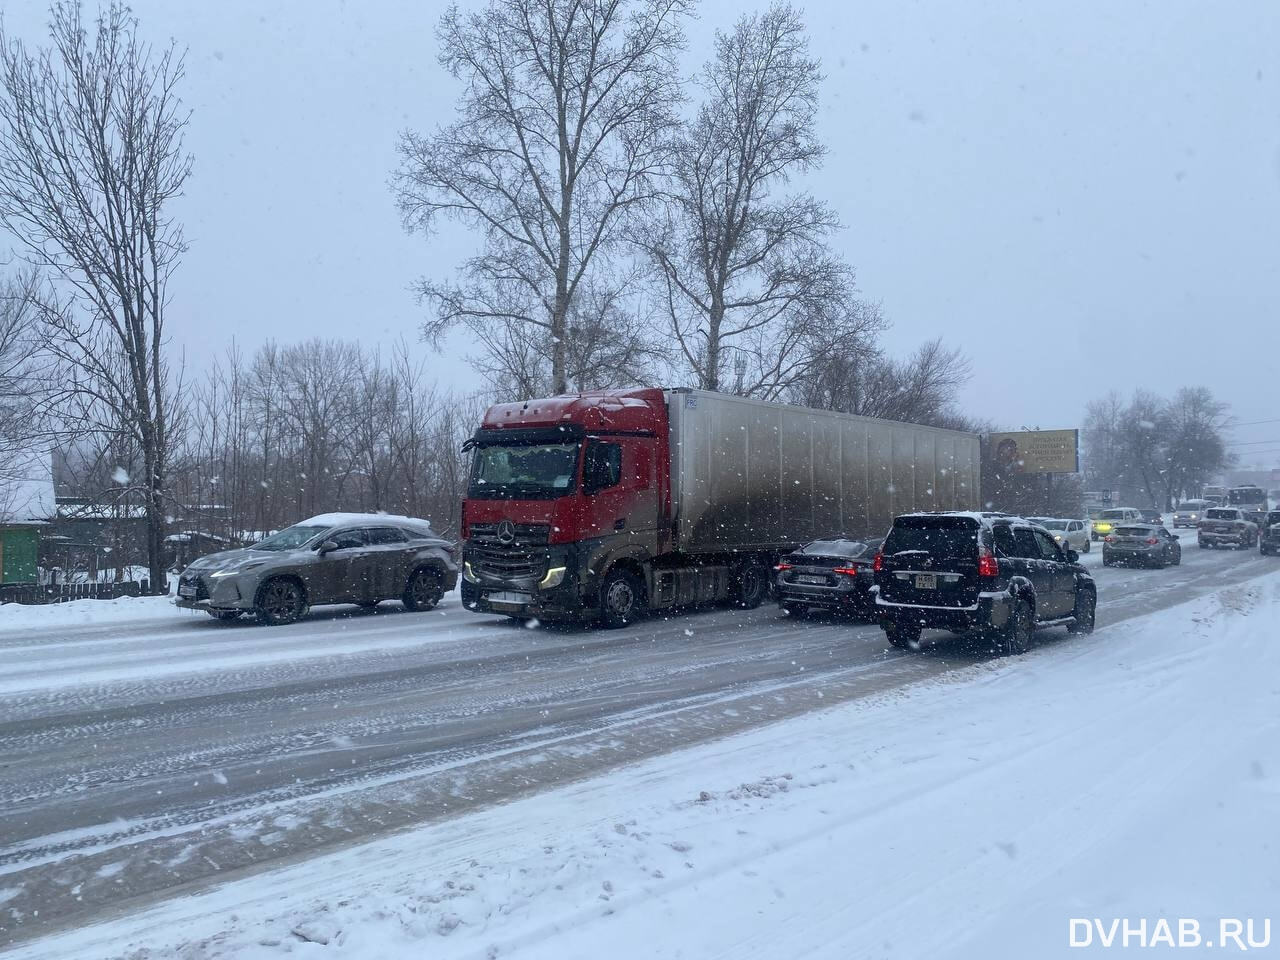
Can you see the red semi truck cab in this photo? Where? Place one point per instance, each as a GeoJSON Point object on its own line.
{"type": "Point", "coordinates": [564, 492]}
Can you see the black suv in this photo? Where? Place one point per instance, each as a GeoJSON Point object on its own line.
{"type": "Point", "coordinates": [1269, 534]}
{"type": "Point", "coordinates": [1000, 575]}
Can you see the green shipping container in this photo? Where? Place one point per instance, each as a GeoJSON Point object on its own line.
{"type": "Point", "coordinates": [18, 547]}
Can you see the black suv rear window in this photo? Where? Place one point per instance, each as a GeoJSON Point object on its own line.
{"type": "Point", "coordinates": [1221, 514]}
{"type": "Point", "coordinates": [939, 536]}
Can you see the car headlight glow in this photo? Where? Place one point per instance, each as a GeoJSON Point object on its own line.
{"type": "Point", "coordinates": [553, 578]}
{"type": "Point", "coordinates": [236, 571]}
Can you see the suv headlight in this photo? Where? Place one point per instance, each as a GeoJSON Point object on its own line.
{"type": "Point", "coordinates": [467, 573]}
{"type": "Point", "coordinates": [236, 571]}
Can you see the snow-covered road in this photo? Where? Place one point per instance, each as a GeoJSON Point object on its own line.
{"type": "Point", "coordinates": [144, 753]}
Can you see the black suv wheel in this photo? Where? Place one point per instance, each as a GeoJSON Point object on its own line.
{"type": "Point", "coordinates": [1016, 638]}
{"type": "Point", "coordinates": [1085, 613]}
{"type": "Point", "coordinates": [904, 636]}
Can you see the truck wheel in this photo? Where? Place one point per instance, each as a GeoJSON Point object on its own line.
{"type": "Point", "coordinates": [423, 590]}
{"type": "Point", "coordinates": [1016, 638]}
{"type": "Point", "coordinates": [904, 636]}
{"type": "Point", "coordinates": [1086, 613]}
{"type": "Point", "coordinates": [621, 598]}
{"type": "Point", "coordinates": [280, 601]}
{"type": "Point", "coordinates": [1088, 545]}
{"type": "Point", "coordinates": [749, 588]}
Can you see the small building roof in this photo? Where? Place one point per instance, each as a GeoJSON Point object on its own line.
{"type": "Point", "coordinates": [26, 487]}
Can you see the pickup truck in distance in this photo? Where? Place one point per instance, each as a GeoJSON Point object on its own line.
{"type": "Point", "coordinates": [603, 505]}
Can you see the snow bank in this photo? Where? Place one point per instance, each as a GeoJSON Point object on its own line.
{"type": "Point", "coordinates": [1133, 774]}
{"type": "Point", "coordinates": [20, 616]}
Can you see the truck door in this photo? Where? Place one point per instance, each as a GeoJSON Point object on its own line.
{"type": "Point", "coordinates": [619, 489]}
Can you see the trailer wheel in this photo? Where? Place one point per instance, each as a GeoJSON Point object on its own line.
{"type": "Point", "coordinates": [749, 588]}
{"type": "Point", "coordinates": [621, 598]}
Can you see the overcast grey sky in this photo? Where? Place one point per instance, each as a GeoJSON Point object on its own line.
{"type": "Point", "coordinates": [1085, 194]}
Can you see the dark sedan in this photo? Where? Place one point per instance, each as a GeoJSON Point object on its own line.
{"type": "Point", "coordinates": [1146, 544]}
{"type": "Point", "coordinates": [829, 574]}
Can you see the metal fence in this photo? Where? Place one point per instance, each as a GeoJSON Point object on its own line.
{"type": "Point", "coordinates": [62, 592]}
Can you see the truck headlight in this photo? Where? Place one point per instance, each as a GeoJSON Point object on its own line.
{"type": "Point", "coordinates": [553, 578]}
{"type": "Point", "coordinates": [467, 574]}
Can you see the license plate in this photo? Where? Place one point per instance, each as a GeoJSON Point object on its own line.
{"type": "Point", "coordinates": [819, 581]}
{"type": "Point", "coordinates": [186, 590]}
{"type": "Point", "coordinates": [926, 581]}
{"type": "Point", "coordinates": [508, 599]}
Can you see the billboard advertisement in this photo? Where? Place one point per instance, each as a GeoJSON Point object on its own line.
{"type": "Point", "coordinates": [1035, 451]}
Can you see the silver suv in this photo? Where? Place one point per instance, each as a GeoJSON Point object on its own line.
{"type": "Point", "coordinates": [360, 558]}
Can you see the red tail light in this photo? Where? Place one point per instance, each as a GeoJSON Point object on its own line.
{"type": "Point", "coordinates": [988, 565]}
{"type": "Point", "coordinates": [878, 563]}
{"type": "Point", "coordinates": [847, 571]}
{"type": "Point", "coordinates": [1108, 539]}
{"type": "Point", "coordinates": [1152, 541]}
{"type": "Point", "coordinates": [782, 566]}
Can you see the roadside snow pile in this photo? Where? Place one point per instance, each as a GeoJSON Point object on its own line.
{"type": "Point", "coordinates": [1134, 774]}
{"type": "Point", "coordinates": [78, 613]}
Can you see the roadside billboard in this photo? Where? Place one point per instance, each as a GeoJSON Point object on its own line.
{"type": "Point", "coordinates": [1035, 451]}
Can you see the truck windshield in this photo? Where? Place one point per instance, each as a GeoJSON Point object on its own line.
{"type": "Point", "coordinates": [540, 471]}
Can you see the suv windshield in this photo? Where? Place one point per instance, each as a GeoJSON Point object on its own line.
{"type": "Point", "coordinates": [290, 538]}
{"type": "Point", "coordinates": [835, 548]}
{"type": "Point", "coordinates": [540, 471]}
{"type": "Point", "coordinates": [1054, 524]}
{"type": "Point", "coordinates": [940, 536]}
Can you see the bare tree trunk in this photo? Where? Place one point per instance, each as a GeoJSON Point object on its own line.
{"type": "Point", "coordinates": [91, 152]}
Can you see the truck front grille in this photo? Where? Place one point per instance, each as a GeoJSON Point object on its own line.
{"type": "Point", "coordinates": [515, 559]}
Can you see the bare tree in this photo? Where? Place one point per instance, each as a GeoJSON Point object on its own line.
{"type": "Point", "coordinates": [1196, 451]}
{"type": "Point", "coordinates": [752, 295]}
{"type": "Point", "coordinates": [23, 376]}
{"type": "Point", "coordinates": [920, 389]}
{"type": "Point", "coordinates": [562, 133]}
{"type": "Point", "coordinates": [91, 154]}
{"type": "Point", "coordinates": [609, 341]}
{"type": "Point", "coordinates": [1161, 449]}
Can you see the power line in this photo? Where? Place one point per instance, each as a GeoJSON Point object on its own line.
{"type": "Point", "coordinates": [1250, 423]}
{"type": "Point", "coordinates": [1250, 443]}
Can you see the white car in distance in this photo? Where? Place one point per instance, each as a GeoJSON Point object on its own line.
{"type": "Point", "coordinates": [1073, 534]}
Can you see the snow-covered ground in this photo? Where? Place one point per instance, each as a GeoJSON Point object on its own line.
{"type": "Point", "coordinates": [1134, 774]}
